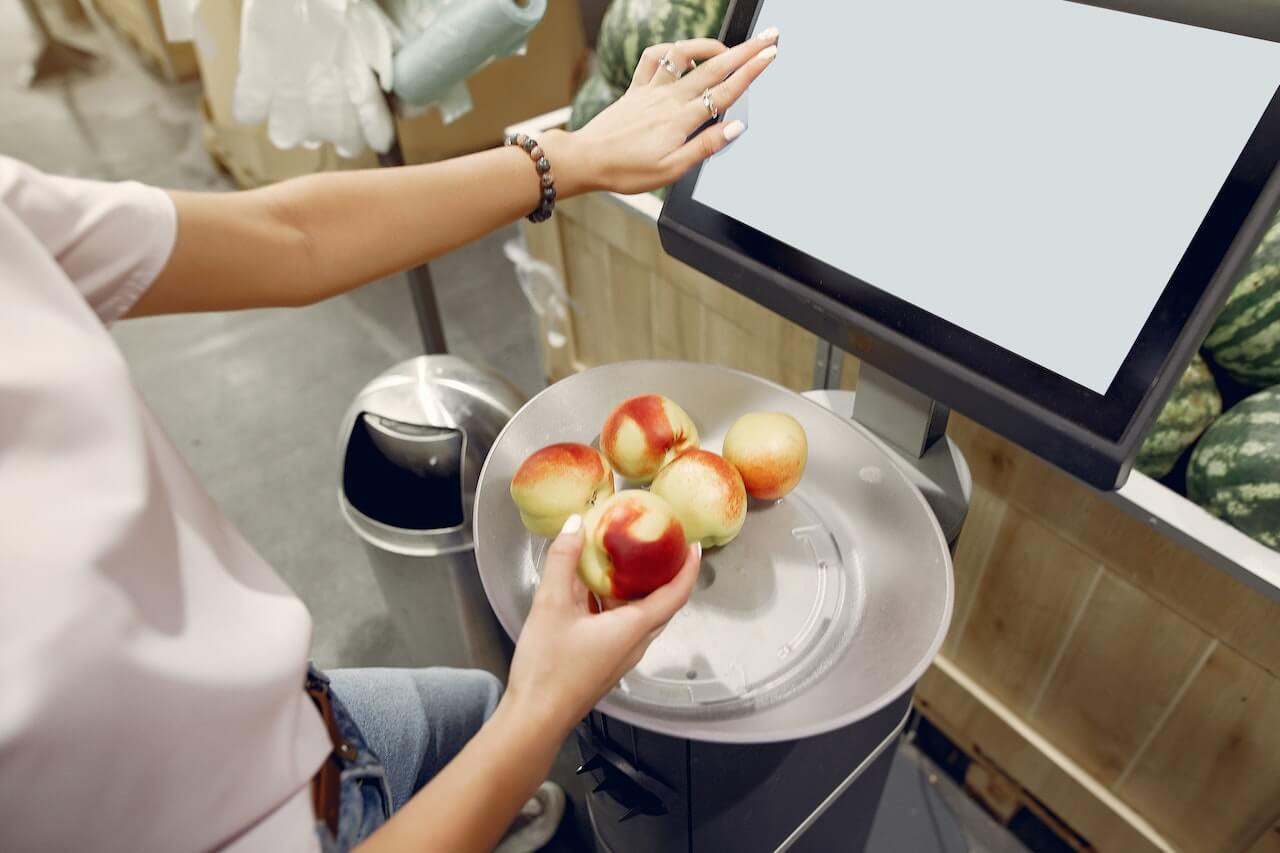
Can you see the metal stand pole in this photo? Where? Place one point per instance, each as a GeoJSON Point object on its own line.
{"type": "Point", "coordinates": [57, 58]}
{"type": "Point", "coordinates": [421, 287]}
{"type": "Point", "coordinates": [913, 428]}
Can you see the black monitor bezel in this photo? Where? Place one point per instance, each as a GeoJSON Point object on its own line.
{"type": "Point", "coordinates": [1089, 434]}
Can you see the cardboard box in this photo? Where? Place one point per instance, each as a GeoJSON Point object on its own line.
{"type": "Point", "coordinates": [139, 22]}
{"type": "Point", "coordinates": [505, 91]}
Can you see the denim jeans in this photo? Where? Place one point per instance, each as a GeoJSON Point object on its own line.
{"type": "Point", "coordinates": [406, 725]}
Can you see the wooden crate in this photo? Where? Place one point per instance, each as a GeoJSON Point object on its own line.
{"type": "Point", "coordinates": [1120, 680]}
{"type": "Point", "coordinates": [139, 22]}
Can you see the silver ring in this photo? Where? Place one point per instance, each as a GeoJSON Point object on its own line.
{"type": "Point", "coordinates": [668, 66]}
{"type": "Point", "coordinates": [710, 103]}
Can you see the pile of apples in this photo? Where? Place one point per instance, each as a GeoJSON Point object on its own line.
{"type": "Point", "coordinates": [636, 540]}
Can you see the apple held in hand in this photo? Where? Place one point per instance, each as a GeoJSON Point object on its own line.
{"type": "Point", "coordinates": [634, 544]}
{"type": "Point", "coordinates": [770, 450]}
{"type": "Point", "coordinates": [707, 495]}
{"type": "Point", "coordinates": [645, 433]}
{"type": "Point", "coordinates": [559, 481]}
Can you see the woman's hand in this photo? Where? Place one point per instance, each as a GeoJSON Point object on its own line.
{"type": "Point", "coordinates": [568, 655]}
{"type": "Point", "coordinates": [642, 141]}
{"type": "Point", "coordinates": [567, 658]}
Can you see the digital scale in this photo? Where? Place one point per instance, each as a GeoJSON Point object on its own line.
{"type": "Point", "coordinates": [1026, 210]}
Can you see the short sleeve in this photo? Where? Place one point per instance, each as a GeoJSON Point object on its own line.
{"type": "Point", "coordinates": [111, 239]}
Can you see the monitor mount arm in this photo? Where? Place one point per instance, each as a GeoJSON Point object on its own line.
{"type": "Point", "coordinates": [912, 428]}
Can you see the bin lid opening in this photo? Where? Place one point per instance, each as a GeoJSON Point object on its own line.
{"type": "Point", "coordinates": [405, 475]}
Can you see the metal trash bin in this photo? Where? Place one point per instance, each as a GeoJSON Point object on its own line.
{"type": "Point", "coordinates": [412, 446]}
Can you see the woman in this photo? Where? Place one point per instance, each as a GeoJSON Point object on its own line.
{"type": "Point", "coordinates": [156, 693]}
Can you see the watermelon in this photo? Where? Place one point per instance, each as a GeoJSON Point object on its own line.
{"type": "Point", "coordinates": [1235, 469]}
{"type": "Point", "coordinates": [629, 26]}
{"type": "Point", "coordinates": [592, 98]}
{"type": "Point", "coordinates": [1192, 406]}
{"type": "Point", "coordinates": [1245, 340]}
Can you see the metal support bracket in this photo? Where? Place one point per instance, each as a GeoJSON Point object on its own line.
{"type": "Point", "coordinates": [912, 427]}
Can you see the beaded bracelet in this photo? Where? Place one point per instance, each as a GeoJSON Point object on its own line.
{"type": "Point", "coordinates": [548, 203]}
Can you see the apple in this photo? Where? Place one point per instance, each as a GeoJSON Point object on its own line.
{"type": "Point", "coordinates": [770, 450]}
{"type": "Point", "coordinates": [557, 482]}
{"type": "Point", "coordinates": [707, 495]}
{"type": "Point", "coordinates": [645, 433]}
{"type": "Point", "coordinates": [634, 544]}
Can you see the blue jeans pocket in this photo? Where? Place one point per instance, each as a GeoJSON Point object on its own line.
{"type": "Point", "coordinates": [364, 796]}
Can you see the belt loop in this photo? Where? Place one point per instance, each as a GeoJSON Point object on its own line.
{"type": "Point", "coordinates": [326, 787]}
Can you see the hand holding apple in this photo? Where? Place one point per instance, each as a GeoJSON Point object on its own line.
{"type": "Point", "coordinates": [634, 544]}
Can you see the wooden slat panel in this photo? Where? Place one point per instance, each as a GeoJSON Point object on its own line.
{"type": "Point", "coordinates": [676, 323]}
{"type": "Point", "coordinates": [1205, 596]}
{"type": "Point", "coordinates": [977, 720]}
{"type": "Point", "coordinates": [1123, 666]}
{"type": "Point", "coordinates": [1030, 593]}
{"type": "Point", "coordinates": [992, 460]}
{"type": "Point", "coordinates": [543, 242]}
{"type": "Point", "coordinates": [629, 328]}
{"type": "Point", "coordinates": [799, 350]}
{"type": "Point", "coordinates": [587, 264]}
{"type": "Point", "coordinates": [981, 527]}
{"type": "Point", "coordinates": [621, 228]}
{"type": "Point", "coordinates": [1212, 772]}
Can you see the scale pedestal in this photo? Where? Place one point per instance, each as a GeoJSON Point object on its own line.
{"type": "Point", "coordinates": [912, 428]}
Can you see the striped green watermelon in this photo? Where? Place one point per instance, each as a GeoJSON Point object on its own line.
{"type": "Point", "coordinates": [1235, 469]}
{"type": "Point", "coordinates": [592, 98]}
{"type": "Point", "coordinates": [1245, 340]}
{"type": "Point", "coordinates": [1192, 406]}
{"type": "Point", "coordinates": [629, 26]}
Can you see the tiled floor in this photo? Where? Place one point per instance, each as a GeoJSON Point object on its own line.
{"type": "Point", "coordinates": [255, 399]}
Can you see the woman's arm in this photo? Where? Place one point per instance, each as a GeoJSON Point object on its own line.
{"type": "Point", "coordinates": [313, 237]}
{"type": "Point", "coordinates": [567, 657]}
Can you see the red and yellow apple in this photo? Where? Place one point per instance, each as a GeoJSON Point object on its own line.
{"type": "Point", "coordinates": [707, 495]}
{"type": "Point", "coordinates": [634, 544]}
{"type": "Point", "coordinates": [559, 481]}
{"type": "Point", "coordinates": [645, 433]}
{"type": "Point", "coordinates": [770, 450]}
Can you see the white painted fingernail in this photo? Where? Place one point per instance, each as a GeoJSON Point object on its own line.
{"type": "Point", "coordinates": [770, 34]}
{"type": "Point", "coordinates": [697, 549]}
{"type": "Point", "coordinates": [733, 130]}
{"type": "Point", "coordinates": [572, 525]}
{"type": "Point", "coordinates": [768, 53]}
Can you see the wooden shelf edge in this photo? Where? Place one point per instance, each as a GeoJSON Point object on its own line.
{"type": "Point", "coordinates": [1209, 538]}
{"type": "Point", "coordinates": [1077, 796]}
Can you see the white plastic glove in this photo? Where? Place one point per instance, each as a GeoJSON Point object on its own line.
{"type": "Point", "coordinates": [305, 71]}
{"type": "Point", "coordinates": [178, 18]}
{"type": "Point", "coordinates": [369, 42]}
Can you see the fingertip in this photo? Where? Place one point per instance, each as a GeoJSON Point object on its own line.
{"type": "Point", "coordinates": [572, 525]}
{"type": "Point", "coordinates": [733, 130]}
